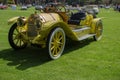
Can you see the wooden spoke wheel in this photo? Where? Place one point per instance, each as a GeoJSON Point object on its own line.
{"type": "Point", "coordinates": [56, 43]}
{"type": "Point", "coordinates": [15, 38]}
{"type": "Point", "coordinates": [99, 30]}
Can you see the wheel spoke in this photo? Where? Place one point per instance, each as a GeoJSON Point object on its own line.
{"type": "Point", "coordinates": [59, 48]}
{"type": "Point", "coordinates": [52, 47]}
{"type": "Point", "coordinates": [14, 38]}
{"type": "Point", "coordinates": [99, 31]}
{"type": "Point", "coordinates": [59, 34]}
{"type": "Point", "coordinates": [20, 42]}
{"type": "Point", "coordinates": [61, 38]}
{"type": "Point", "coordinates": [53, 40]}
{"type": "Point", "coordinates": [17, 41]}
{"type": "Point", "coordinates": [54, 51]}
{"type": "Point", "coordinates": [17, 30]}
{"type": "Point", "coordinates": [14, 34]}
{"type": "Point", "coordinates": [56, 36]}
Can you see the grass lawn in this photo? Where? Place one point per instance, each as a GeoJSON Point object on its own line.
{"type": "Point", "coordinates": [84, 60]}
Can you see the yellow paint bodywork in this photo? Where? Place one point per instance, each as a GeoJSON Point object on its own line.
{"type": "Point", "coordinates": [12, 20]}
{"type": "Point", "coordinates": [94, 24]}
{"type": "Point", "coordinates": [87, 21]}
{"type": "Point", "coordinates": [49, 21]}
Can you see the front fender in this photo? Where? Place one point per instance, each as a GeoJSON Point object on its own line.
{"type": "Point", "coordinates": [12, 20]}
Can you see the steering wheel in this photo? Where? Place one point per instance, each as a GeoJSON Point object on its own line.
{"type": "Point", "coordinates": [61, 9]}
{"type": "Point", "coordinates": [55, 8]}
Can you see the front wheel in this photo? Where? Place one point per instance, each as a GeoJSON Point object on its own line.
{"type": "Point", "coordinates": [56, 43]}
{"type": "Point", "coordinates": [15, 38]}
{"type": "Point", "coordinates": [98, 31]}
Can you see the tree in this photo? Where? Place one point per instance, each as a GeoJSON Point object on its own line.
{"type": "Point", "coordinates": [4, 2]}
{"type": "Point", "coordinates": [110, 1]}
{"type": "Point", "coordinates": [98, 1]}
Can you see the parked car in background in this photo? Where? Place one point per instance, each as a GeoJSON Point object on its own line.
{"type": "Point", "coordinates": [92, 8]}
{"type": "Point", "coordinates": [107, 7]}
{"type": "Point", "coordinates": [101, 6]}
{"type": "Point", "coordinates": [24, 7]}
{"type": "Point", "coordinates": [3, 6]}
{"type": "Point", "coordinates": [38, 7]}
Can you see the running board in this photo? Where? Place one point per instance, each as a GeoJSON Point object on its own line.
{"type": "Point", "coordinates": [81, 29]}
{"type": "Point", "coordinates": [86, 36]}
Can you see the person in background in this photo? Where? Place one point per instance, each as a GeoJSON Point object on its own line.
{"type": "Point", "coordinates": [119, 7]}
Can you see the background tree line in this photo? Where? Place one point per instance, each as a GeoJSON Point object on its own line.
{"type": "Point", "coordinates": [63, 1]}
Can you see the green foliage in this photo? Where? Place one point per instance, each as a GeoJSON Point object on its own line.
{"type": "Point", "coordinates": [7, 1]}
{"type": "Point", "coordinates": [84, 60]}
{"type": "Point", "coordinates": [98, 1]}
{"type": "Point", "coordinates": [10, 2]}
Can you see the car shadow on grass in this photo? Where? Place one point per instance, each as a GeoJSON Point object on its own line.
{"type": "Point", "coordinates": [32, 56]}
{"type": "Point", "coordinates": [26, 58]}
{"type": "Point", "coordinates": [74, 45]}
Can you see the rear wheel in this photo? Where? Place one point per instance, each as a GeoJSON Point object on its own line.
{"type": "Point", "coordinates": [98, 31]}
{"type": "Point", "coordinates": [56, 43]}
{"type": "Point", "coordinates": [15, 38]}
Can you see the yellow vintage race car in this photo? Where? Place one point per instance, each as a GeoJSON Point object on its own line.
{"type": "Point", "coordinates": [50, 28]}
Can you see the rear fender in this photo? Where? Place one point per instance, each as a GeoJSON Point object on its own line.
{"type": "Point", "coordinates": [94, 24]}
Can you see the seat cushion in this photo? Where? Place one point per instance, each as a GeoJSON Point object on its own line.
{"type": "Point", "coordinates": [76, 18]}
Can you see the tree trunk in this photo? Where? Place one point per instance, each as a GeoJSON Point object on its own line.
{"type": "Point", "coordinates": [4, 2]}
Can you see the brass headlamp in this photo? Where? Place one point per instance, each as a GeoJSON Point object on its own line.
{"type": "Point", "coordinates": [20, 21]}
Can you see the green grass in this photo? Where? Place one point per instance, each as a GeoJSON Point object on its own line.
{"type": "Point", "coordinates": [84, 60]}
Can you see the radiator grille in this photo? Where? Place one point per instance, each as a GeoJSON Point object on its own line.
{"type": "Point", "coordinates": [32, 30]}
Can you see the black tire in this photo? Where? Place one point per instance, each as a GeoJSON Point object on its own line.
{"type": "Point", "coordinates": [56, 43]}
{"type": "Point", "coordinates": [94, 16]}
{"type": "Point", "coordinates": [98, 31]}
{"type": "Point", "coordinates": [15, 38]}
